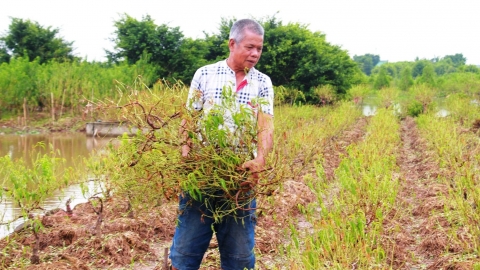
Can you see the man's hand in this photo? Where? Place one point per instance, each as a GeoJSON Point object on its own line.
{"type": "Point", "coordinates": [186, 142]}
{"type": "Point", "coordinates": [265, 144]}
{"type": "Point", "coordinates": [254, 166]}
{"type": "Point", "coordinates": [185, 150]}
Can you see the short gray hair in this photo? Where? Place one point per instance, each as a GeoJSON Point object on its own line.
{"type": "Point", "coordinates": [237, 32]}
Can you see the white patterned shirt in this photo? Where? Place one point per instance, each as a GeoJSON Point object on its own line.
{"type": "Point", "coordinates": [209, 81]}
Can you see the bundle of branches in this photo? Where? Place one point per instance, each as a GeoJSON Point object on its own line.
{"type": "Point", "coordinates": [148, 168]}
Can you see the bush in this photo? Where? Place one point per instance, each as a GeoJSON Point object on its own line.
{"type": "Point", "coordinates": [325, 94]}
{"type": "Point", "coordinates": [358, 93]}
{"type": "Point", "coordinates": [284, 95]}
{"type": "Point", "coordinates": [414, 108]}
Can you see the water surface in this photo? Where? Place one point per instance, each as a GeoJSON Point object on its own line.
{"type": "Point", "coordinates": [73, 147]}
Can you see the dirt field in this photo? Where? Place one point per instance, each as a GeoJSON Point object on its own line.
{"type": "Point", "coordinates": [412, 235]}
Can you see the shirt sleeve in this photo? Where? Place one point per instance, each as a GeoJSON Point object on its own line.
{"type": "Point", "coordinates": [195, 98]}
{"type": "Point", "coordinates": [266, 92]}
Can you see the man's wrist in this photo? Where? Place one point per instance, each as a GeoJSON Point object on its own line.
{"type": "Point", "coordinates": [260, 159]}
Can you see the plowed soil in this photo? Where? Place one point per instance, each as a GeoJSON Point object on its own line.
{"type": "Point", "coordinates": [413, 233]}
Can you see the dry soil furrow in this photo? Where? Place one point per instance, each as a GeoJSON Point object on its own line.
{"type": "Point", "coordinates": [334, 150]}
{"type": "Point", "coordinates": [412, 236]}
{"type": "Point", "coordinates": [295, 192]}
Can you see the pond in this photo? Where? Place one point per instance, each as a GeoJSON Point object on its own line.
{"type": "Point", "coordinates": [369, 108]}
{"type": "Point", "coordinates": [73, 147]}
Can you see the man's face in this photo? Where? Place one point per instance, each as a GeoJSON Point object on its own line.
{"type": "Point", "coordinates": [246, 53]}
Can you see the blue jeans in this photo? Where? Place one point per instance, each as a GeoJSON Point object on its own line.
{"type": "Point", "coordinates": [235, 235]}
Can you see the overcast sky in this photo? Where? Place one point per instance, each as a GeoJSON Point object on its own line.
{"type": "Point", "coordinates": [395, 30]}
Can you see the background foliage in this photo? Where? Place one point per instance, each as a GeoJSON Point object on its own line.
{"type": "Point", "coordinates": [37, 64]}
{"type": "Point", "coordinates": [29, 39]}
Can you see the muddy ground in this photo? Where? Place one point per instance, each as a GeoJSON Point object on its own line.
{"type": "Point", "coordinates": [416, 232]}
{"type": "Point", "coordinates": [413, 236]}
{"type": "Point", "coordinates": [73, 240]}
{"type": "Point", "coordinates": [39, 123]}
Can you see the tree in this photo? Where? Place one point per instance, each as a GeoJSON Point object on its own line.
{"type": "Point", "coordinates": [192, 54]}
{"type": "Point", "coordinates": [457, 59]}
{"type": "Point", "coordinates": [133, 38]}
{"type": "Point", "coordinates": [406, 79]}
{"type": "Point", "coordinates": [471, 68]}
{"type": "Point", "coordinates": [382, 80]}
{"type": "Point", "coordinates": [445, 66]}
{"type": "Point", "coordinates": [218, 43]}
{"type": "Point", "coordinates": [169, 51]}
{"type": "Point", "coordinates": [428, 76]}
{"type": "Point", "coordinates": [296, 57]}
{"type": "Point", "coordinates": [4, 56]}
{"type": "Point", "coordinates": [30, 39]}
{"type": "Point", "coordinates": [418, 67]}
{"type": "Point", "coordinates": [367, 62]}
{"type": "Point", "coordinates": [293, 55]}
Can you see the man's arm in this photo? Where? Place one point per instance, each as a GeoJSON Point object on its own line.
{"type": "Point", "coordinates": [194, 104]}
{"type": "Point", "coordinates": [265, 142]}
{"type": "Point", "coordinates": [185, 140]}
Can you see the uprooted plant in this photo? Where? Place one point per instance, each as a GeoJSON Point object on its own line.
{"type": "Point", "coordinates": [148, 169]}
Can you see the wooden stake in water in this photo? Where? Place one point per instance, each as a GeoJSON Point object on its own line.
{"type": "Point", "coordinates": [24, 112]}
{"type": "Point", "coordinates": [53, 107]}
{"type": "Point", "coordinates": [63, 102]}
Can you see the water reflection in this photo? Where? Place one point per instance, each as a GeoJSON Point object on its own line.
{"type": "Point", "coordinates": [369, 110]}
{"type": "Point", "coordinates": [12, 213]}
{"type": "Point", "coordinates": [442, 113]}
{"type": "Point", "coordinates": [73, 147]}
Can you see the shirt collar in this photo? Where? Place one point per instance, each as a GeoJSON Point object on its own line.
{"type": "Point", "coordinates": [224, 63]}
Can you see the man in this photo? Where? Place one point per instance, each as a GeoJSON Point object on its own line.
{"type": "Point", "coordinates": [194, 231]}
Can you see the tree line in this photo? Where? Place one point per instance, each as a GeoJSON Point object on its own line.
{"type": "Point", "coordinates": [432, 72]}
{"type": "Point", "coordinates": [39, 68]}
{"type": "Point", "coordinates": [293, 56]}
